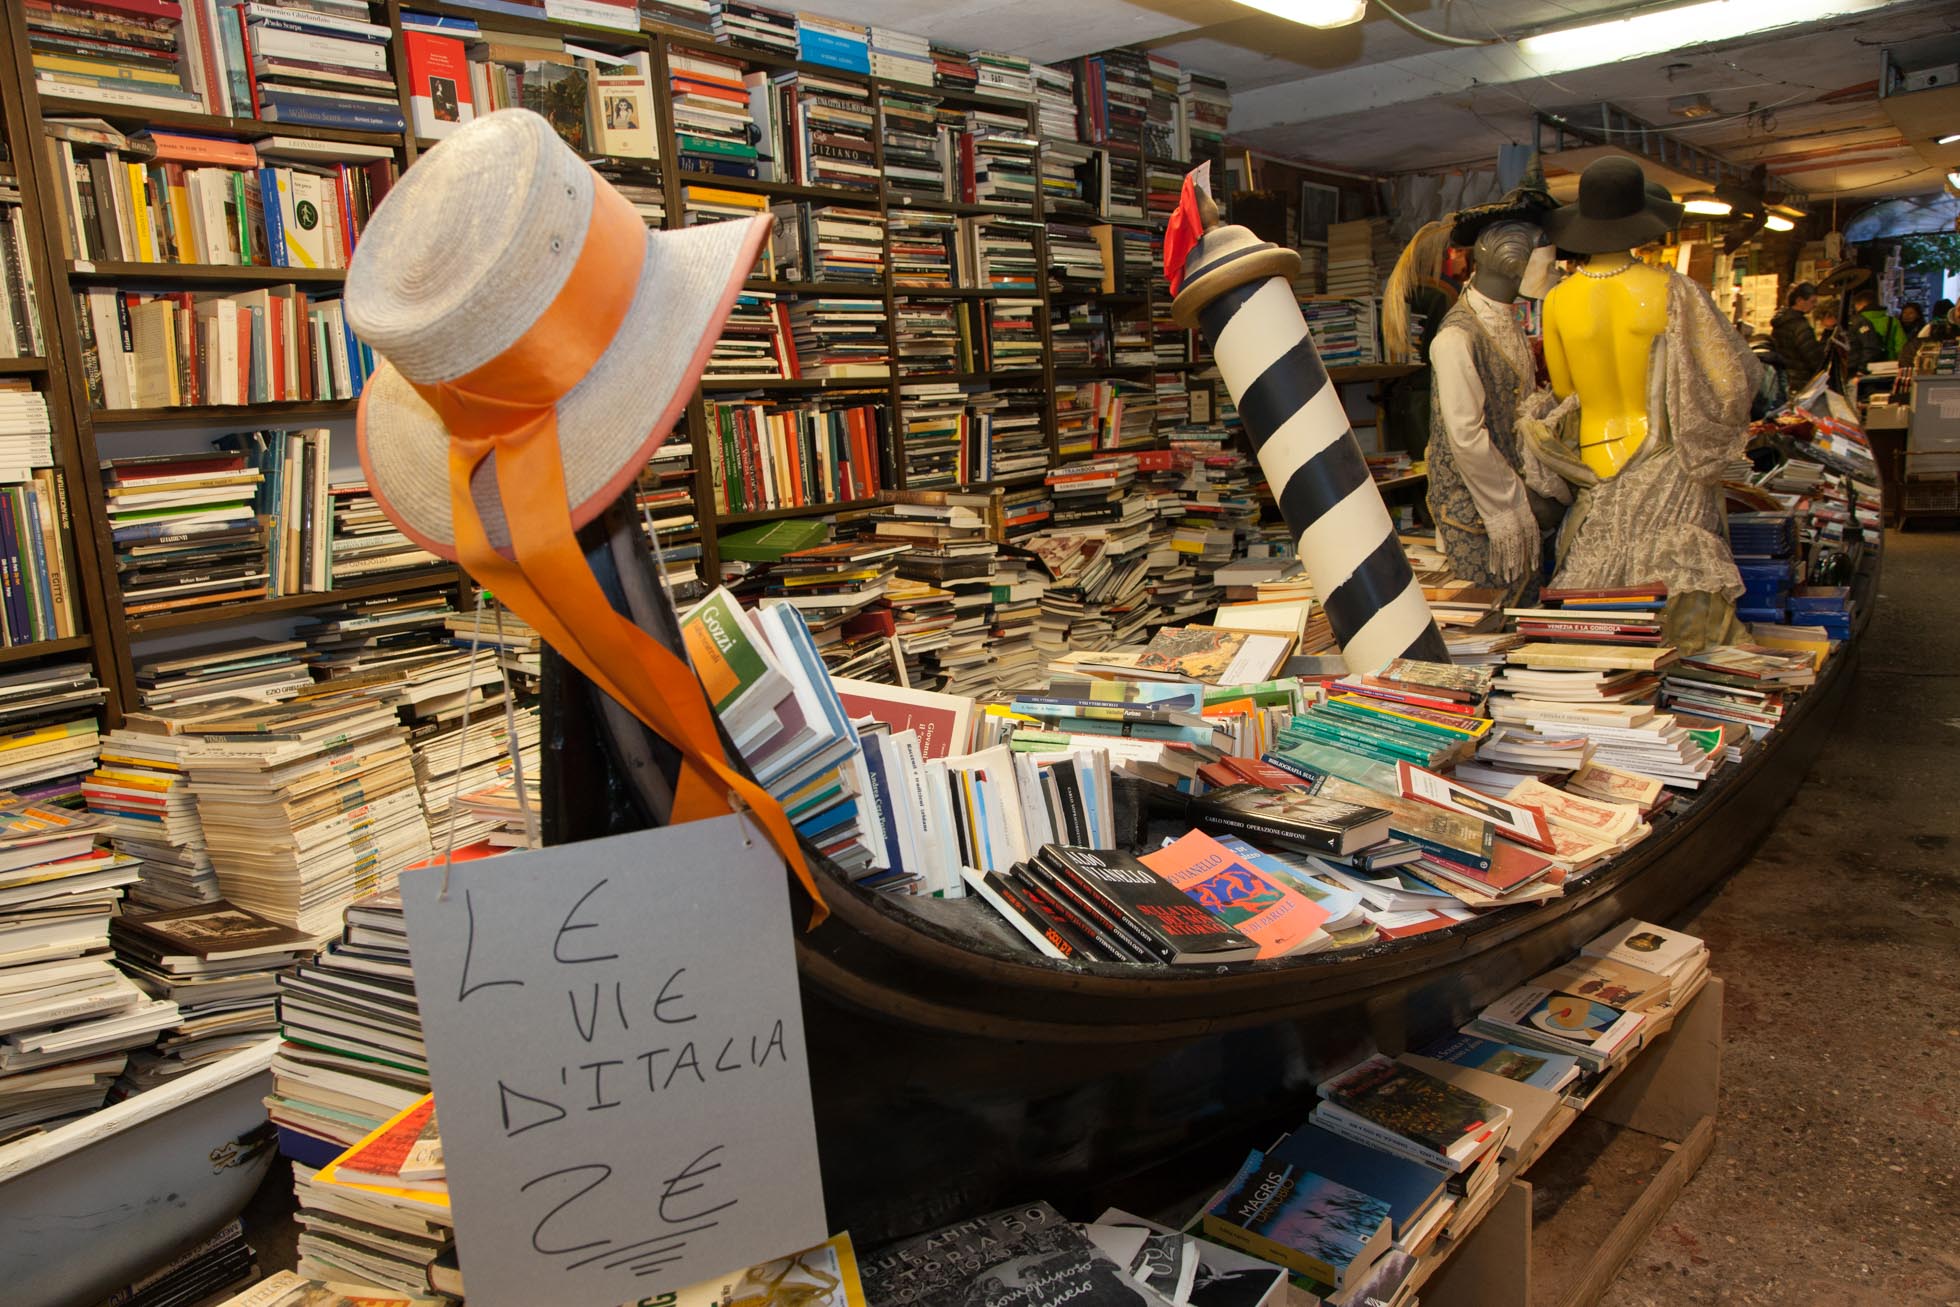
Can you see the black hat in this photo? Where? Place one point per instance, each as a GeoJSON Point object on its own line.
{"type": "Point", "coordinates": [1613, 212]}
{"type": "Point", "coordinates": [1661, 201]}
{"type": "Point", "coordinates": [1529, 201]}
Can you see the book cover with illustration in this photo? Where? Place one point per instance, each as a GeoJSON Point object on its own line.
{"type": "Point", "coordinates": [1020, 1257]}
{"type": "Point", "coordinates": [1409, 1103]}
{"type": "Point", "coordinates": [1268, 911]}
{"type": "Point", "coordinates": [1300, 1220]}
{"type": "Point", "coordinates": [1197, 653]}
{"type": "Point", "coordinates": [1527, 1066]}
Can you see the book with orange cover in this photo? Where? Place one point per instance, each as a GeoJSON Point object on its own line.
{"type": "Point", "coordinates": [376, 1163]}
{"type": "Point", "coordinates": [1276, 917]}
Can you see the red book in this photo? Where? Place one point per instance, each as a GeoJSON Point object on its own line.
{"type": "Point", "coordinates": [142, 8]}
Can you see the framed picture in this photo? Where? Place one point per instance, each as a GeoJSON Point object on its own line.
{"type": "Point", "coordinates": [1320, 208]}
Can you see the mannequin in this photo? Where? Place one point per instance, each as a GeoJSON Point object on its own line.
{"type": "Point", "coordinates": [1654, 389]}
{"type": "Point", "coordinates": [1488, 522]}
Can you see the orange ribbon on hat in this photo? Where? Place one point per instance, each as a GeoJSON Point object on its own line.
{"type": "Point", "coordinates": [509, 406]}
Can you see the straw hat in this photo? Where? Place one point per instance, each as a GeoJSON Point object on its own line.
{"type": "Point", "coordinates": [478, 290]}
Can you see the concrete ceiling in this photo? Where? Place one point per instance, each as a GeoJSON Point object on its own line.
{"type": "Point", "coordinates": [1376, 98]}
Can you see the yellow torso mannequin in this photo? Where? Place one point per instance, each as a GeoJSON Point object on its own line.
{"type": "Point", "coordinates": [1599, 331]}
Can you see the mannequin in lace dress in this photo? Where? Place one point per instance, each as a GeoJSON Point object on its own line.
{"type": "Point", "coordinates": [1654, 389]}
{"type": "Point", "coordinates": [1488, 522]}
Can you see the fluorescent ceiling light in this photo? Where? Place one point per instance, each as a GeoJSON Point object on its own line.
{"type": "Point", "coordinates": [1948, 139]}
{"type": "Point", "coordinates": [1777, 222]}
{"type": "Point", "coordinates": [1709, 205]}
{"type": "Point", "coordinates": [1314, 13]}
{"type": "Point", "coordinates": [1661, 30]}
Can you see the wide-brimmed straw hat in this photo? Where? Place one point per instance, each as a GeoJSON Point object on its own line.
{"type": "Point", "coordinates": [503, 275]}
{"type": "Point", "coordinates": [1613, 211]}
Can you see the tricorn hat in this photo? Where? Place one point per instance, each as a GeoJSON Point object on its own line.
{"type": "Point", "coordinates": [1613, 211]}
{"type": "Point", "coordinates": [1529, 201]}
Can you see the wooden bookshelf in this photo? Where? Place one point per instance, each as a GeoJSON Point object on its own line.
{"type": "Point", "coordinates": [80, 425]}
{"type": "Point", "coordinates": [435, 578]}
{"type": "Point", "coordinates": [202, 274]}
{"type": "Point", "coordinates": [20, 653]}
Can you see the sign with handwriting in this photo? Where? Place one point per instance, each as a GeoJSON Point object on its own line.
{"type": "Point", "coordinates": [616, 1043]}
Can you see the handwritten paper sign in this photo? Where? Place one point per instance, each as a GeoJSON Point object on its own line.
{"type": "Point", "coordinates": [616, 1044]}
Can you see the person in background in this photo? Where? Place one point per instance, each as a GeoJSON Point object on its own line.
{"type": "Point", "coordinates": [1876, 336]}
{"type": "Point", "coordinates": [1827, 316]}
{"type": "Point", "coordinates": [1941, 325]}
{"type": "Point", "coordinates": [1912, 319]}
{"type": "Point", "coordinates": [1797, 346]}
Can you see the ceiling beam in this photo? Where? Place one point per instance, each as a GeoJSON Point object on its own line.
{"type": "Point", "coordinates": [1457, 71]}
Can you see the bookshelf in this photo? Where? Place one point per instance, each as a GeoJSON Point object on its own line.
{"type": "Point", "coordinates": [86, 434]}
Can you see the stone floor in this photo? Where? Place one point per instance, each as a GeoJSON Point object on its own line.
{"type": "Point", "coordinates": [1835, 1177]}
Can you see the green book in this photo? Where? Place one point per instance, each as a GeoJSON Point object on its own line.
{"type": "Point", "coordinates": [715, 145]}
{"type": "Point", "coordinates": [732, 659]}
{"type": "Point", "coordinates": [768, 542]}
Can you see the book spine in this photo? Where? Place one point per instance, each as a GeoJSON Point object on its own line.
{"type": "Point", "coordinates": [1139, 932]}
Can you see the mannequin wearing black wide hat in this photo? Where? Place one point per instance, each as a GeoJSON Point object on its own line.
{"type": "Point", "coordinates": [1489, 524]}
{"type": "Point", "coordinates": [1655, 388]}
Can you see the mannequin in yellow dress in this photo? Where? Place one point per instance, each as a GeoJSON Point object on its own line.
{"type": "Point", "coordinates": [1661, 385]}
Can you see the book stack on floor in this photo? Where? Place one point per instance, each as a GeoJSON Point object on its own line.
{"type": "Point", "coordinates": [507, 817]}
{"type": "Point", "coordinates": [219, 964]}
{"type": "Point", "coordinates": [831, 583]}
{"type": "Point", "coordinates": [48, 732]}
{"type": "Point", "coordinates": [352, 1055]}
{"type": "Point", "coordinates": [451, 761]}
{"type": "Point", "coordinates": [68, 1018]}
{"type": "Point", "coordinates": [141, 788]}
{"type": "Point", "coordinates": [230, 674]}
{"type": "Point", "coordinates": [307, 805]}
{"type": "Point", "coordinates": [376, 1219]}
{"type": "Point", "coordinates": [949, 550]}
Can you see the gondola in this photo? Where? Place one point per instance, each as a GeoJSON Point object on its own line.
{"type": "Point", "coordinates": [955, 1072]}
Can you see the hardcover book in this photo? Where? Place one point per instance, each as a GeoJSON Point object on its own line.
{"type": "Point", "coordinates": [1151, 910]}
{"type": "Point", "coordinates": [1291, 819]}
{"type": "Point", "coordinates": [1303, 1221]}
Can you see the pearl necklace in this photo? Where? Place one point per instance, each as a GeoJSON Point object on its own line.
{"type": "Point", "coordinates": [1602, 276]}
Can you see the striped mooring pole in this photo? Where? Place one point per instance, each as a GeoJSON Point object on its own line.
{"type": "Point", "coordinates": [1238, 290]}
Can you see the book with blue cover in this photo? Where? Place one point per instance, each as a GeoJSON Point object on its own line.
{"type": "Point", "coordinates": [1302, 1221]}
{"type": "Point", "coordinates": [1408, 1187]}
{"type": "Point", "coordinates": [1542, 1070]}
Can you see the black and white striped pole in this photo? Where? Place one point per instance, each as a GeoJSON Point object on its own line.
{"type": "Point", "coordinates": [1238, 290]}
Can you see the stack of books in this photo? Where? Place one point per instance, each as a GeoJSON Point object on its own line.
{"type": "Point", "coordinates": [233, 674]}
{"type": "Point", "coordinates": [307, 806]}
{"type": "Point", "coordinates": [1013, 335]}
{"type": "Point", "coordinates": [1004, 75]}
{"type": "Point", "coordinates": [665, 498]}
{"type": "Point", "coordinates": [1001, 167]}
{"type": "Point", "coordinates": [922, 247]}
{"type": "Point", "coordinates": [1122, 185]}
{"type": "Point", "coordinates": [953, 68]}
{"type": "Point", "coordinates": [318, 68]}
{"type": "Point", "coordinates": [900, 57]}
{"type": "Point", "coordinates": [220, 1264]}
{"type": "Point", "coordinates": [833, 43]}
{"type": "Point", "coordinates": [830, 582]}
{"type": "Point", "coordinates": [686, 15]}
{"type": "Point", "coordinates": [219, 965]}
{"type": "Point", "coordinates": [755, 342]}
{"type": "Point", "coordinates": [1076, 260]}
{"type": "Point", "coordinates": [352, 1055]}
{"type": "Point", "coordinates": [1070, 175]}
{"type": "Point", "coordinates": [140, 787]}
{"type": "Point", "coordinates": [827, 129]}
{"type": "Point", "coordinates": [47, 714]}
{"type": "Point", "coordinates": [367, 545]}
{"type": "Point", "coordinates": [188, 529]}
{"type": "Point", "coordinates": [752, 27]}
{"type": "Point", "coordinates": [1000, 254]}
{"type": "Point", "coordinates": [1207, 106]}
{"type": "Point", "coordinates": [705, 204]}
{"type": "Point", "coordinates": [952, 552]}
{"type": "Point", "coordinates": [1130, 347]}
{"type": "Point", "coordinates": [934, 338]}
{"type": "Point", "coordinates": [273, 344]}
{"type": "Point", "coordinates": [916, 154]}
{"type": "Point", "coordinates": [827, 242]}
{"type": "Point", "coordinates": [1738, 683]}
{"type": "Point", "coordinates": [376, 1219]}
{"type": "Point", "coordinates": [641, 189]}
{"type": "Point", "coordinates": [466, 748]}
{"type": "Point", "coordinates": [1161, 138]}
{"type": "Point", "coordinates": [710, 98]}
{"type": "Point", "coordinates": [1343, 330]}
{"type": "Point", "coordinates": [1054, 100]}
{"type": "Point", "coordinates": [839, 337]}
{"type": "Point", "coordinates": [115, 55]}
{"type": "Point", "coordinates": [1113, 97]}
{"type": "Point", "coordinates": [67, 1017]}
